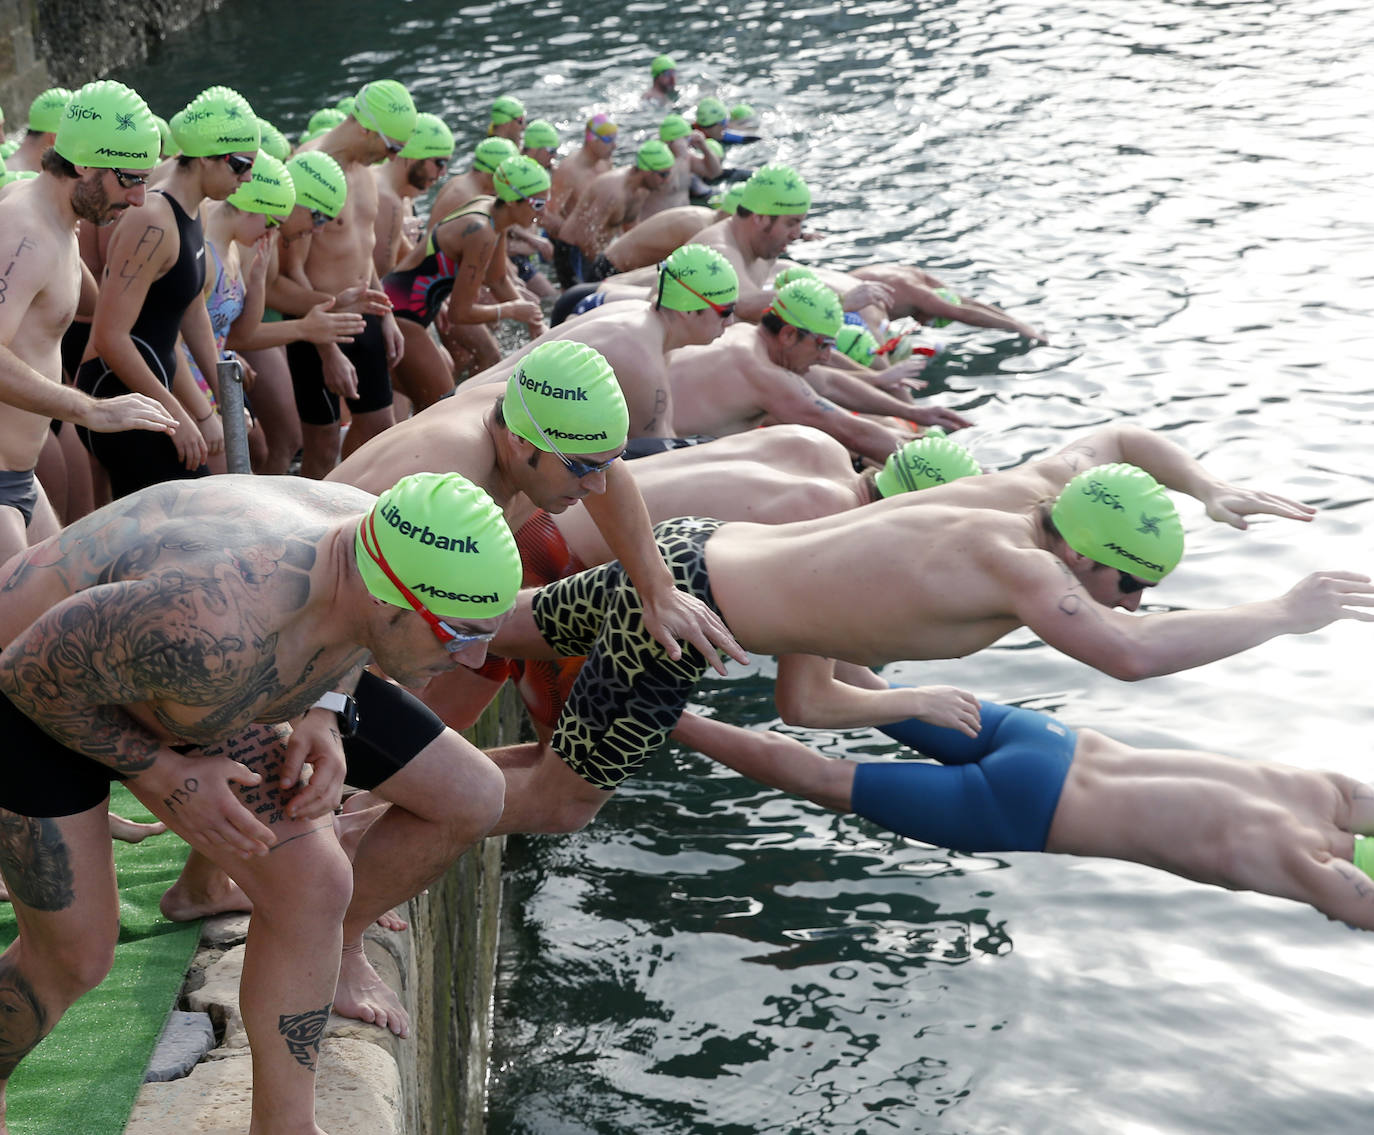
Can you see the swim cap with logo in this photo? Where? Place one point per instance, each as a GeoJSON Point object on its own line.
{"type": "Point", "coordinates": [385, 106]}
{"type": "Point", "coordinates": [445, 540]}
{"type": "Point", "coordinates": [520, 177]}
{"type": "Point", "coordinates": [45, 112]}
{"type": "Point", "coordinates": [491, 152]}
{"type": "Point", "coordinates": [1120, 516]}
{"type": "Point", "coordinates": [775, 191]}
{"type": "Point", "coordinates": [164, 130]}
{"type": "Point", "coordinates": [506, 109]}
{"type": "Point", "coordinates": [603, 126]}
{"type": "Point", "coordinates": [790, 273]}
{"type": "Point", "coordinates": [273, 141]}
{"type": "Point", "coordinates": [218, 121]}
{"type": "Point", "coordinates": [431, 139]}
{"type": "Point", "coordinates": [660, 64]}
{"type": "Point", "coordinates": [108, 125]}
{"type": "Point", "coordinates": [540, 135]}
{"type": "Point", "coordinates": [710, 111]}
{"type": "Point", "coordinates": [319, 182]}
{"type": "Point", "coordinates": [696, 268]}
{"type": "Point", "coordinates": [728, 201]}
{"type": "Point", "coordinates": [569, 391]}
{"type": "Point", "coordinates": [654, 155]}
{"type": "Point", "coordinates": [673, 127]}
{"type": "Point", "coordinates": [949, 296]}
{"type": "Point", "coordinates": [811, 306]}
{"type": "Point", "coordinates": [857, 343]}
{"type": "Point", "coordinates": [923, 463]}
{"type": "Point", "coordinates": [270, 189]}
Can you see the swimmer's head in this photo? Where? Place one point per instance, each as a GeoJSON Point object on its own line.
{"type": "Point", "coordinates": [217, 121]}
{"type": "Point", "coordinates": [695, 277]}
{"type": "Point", "coordinates": [346, 105]}
{"type": "Point", "coordinates": [924, 463]}
{"type": "Point", "coordinates": [654, 155]}
{"type": "Point", "coordinates": [385, 107]}
{"type": "Point", "coordinates": [742, 114]}
{"type": "Point", "coordinates": [661, 64]}
{"type": "Point", "coordinates": [431, 138]}
{"type": "Point", "coordinates": [857, 343]}
{"type": "Point", "coordinates": [322, 121]}
{"type": "Point", "coordinates": [949, 296]}
{"type": "Point", "coordinates": [446, 542]}
{"type": "Point", "coordinates": [506, 109]}
{"type": "Point", "coordinates": [45, 112]}
{"type": "Point", "coordinates": [520, 179]}
{"type": "Point", "coordinates": [775, 191]}
{"type": "Point", "coordinates": [564, 397]}
{"type": "Point", "coordinates": [164, 129]}
{"type": "Point", "coordinates": [603, 128]}
{"type": "Point", "coordinates": [1120, 516]}
{"type": "Point", "coordinates": [270, 190]}
{"type": "Point", "coordinates": [540, 135]}
{"type": "Point", "coordinates": [673, 127]}
{"type": "Point", "coordinates": [319, 182]}
{"type": "Point", "coordinates": [809, 306]}
{"type": "Point", "coordinates": [728, 201]}
{"type": "Point", "coordinates": [491, 152]}
{"type": "Point", "coordinates": [710, 111]}
{"type": "Point", "coordinates": [790, 273]}
{"type": "Point", "coordinates": [273, 141]}
{"type": "Point", "coordinates": [107, 125]}
{"type": "Point", "coordinates": [715, 148]}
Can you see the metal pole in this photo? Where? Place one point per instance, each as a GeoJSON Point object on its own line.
{"type": "Point", "coordinates": [230, 373]}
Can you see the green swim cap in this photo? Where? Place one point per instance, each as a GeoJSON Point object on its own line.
{"type": "Point", "coordinates": [217, 121]}
{"type": "Point", "coordinates": [273, 141]}
{"type": "Point", "coordinates": [715, 148]}
{"type": "Point", "coordinates": [1120, 516]}
{"type": "Point", "coordinates": [775, 191]}
{"type": "Point", "coordinates": [569, 391]}
{"type": "Point", "coordinates": [674, 127]}
{"type": "Point", "coordinates": [319, 182]}
{"type": "Point", "coordinates": [270, 190]}
{"type": "Point", "coordinates": [12, 175]}
{"type": "Point", "coordinates": [385, 106]}
{"type": "Point", "coordinates": [346, 105]}
{"type": "Point", "coordinates": [491, 152]}
{"type": "Point", "coordinates": [446, 541]}
{"type": "Point", "coordinates": [949, 296]}
{"type": "Point", "coordinates": [1364, 854]}
{"type": "Point", "coordinates": [728, 201]}
{"type": "Point", "coordinates": [432, 138]}
{"type": "Point", "coordinates": [790, 273]}
{"type": "Point", "coordinates": [326, 118]}
{"type": "Point", "coordinates": [8, 147]}
{"type": "Point", "coordinates": [45, 112]}
{"type": "Point", "coordinates": [108, 125]}
{"type": "Point", "coordinates": [923, 463]}
{"type": "Point", "coordinates": [857, 343]}
{"type": "Point", "coordinates": [696, 268]}
{"type": "Point", "coordinates": [660, 64]}
{"type": "Point", "coordinates": [811, 306]}
{"type": "Point", "coordinates": [654, 155]}
{"type": "Point", "coordinates": [540, 135]}
{"type": "Point", "coordinates": [506, 109]}
{"type": "Point", "coordinates": [164, 130]}
{"type": "Point", "coordinates": [742, 112]}
{"type": "Point", "coordinates": [520, 177]}
{"type": "Point", "coordinates": [710, 111]}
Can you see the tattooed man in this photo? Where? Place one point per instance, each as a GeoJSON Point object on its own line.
{"type": "Point", "coordinates": [167, 640]}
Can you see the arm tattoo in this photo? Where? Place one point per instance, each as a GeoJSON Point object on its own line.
{"type": "Point", "coordinates": [24, 244]}
{"type": "Point", "coordinates": [34, 858]}
{"type": "Point", "coordinates": [23, 1019]}
{"type": "Point", "coordinates": [303, 1033]}
{"type": "Point", "coordinates": [148, 243]}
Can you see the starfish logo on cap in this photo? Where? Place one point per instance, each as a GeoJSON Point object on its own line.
{"type": "Point", "coordinates": [1149, 525]}
{"type": "Point", "coordinates": [124, 121]}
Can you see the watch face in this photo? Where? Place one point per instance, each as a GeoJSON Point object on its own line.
{"type": "Point", "coordinates": [348, 718]}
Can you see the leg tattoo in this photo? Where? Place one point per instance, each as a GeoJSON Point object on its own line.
{"type": "Point", "coordinates": [303, 1033]}
{"type": "Point", "coordinates": [33, 856]}
{"type": "Point", "coordinates": [23, 1020]}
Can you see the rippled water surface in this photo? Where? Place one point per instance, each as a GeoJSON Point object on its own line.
{"type": "Point", "coordinates": [1179, 193]}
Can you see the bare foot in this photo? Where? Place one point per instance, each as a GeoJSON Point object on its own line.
{"type": "Point", "coordinates": [364, 996]}
{"type": "Point", "coordinates": [393, 921]}
{"type": "Point", "coordinates": [130, 831]}
{"type": "Point", "coordinates": [182, 902]}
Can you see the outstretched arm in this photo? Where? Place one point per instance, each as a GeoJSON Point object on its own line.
{"type": "Point", "coordinates": [809, 694]}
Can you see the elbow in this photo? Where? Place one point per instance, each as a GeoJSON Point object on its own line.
{"type": "Point", "coordinates": [1131, 666]}
{"type": "Point", "coordinates": [797, 709]}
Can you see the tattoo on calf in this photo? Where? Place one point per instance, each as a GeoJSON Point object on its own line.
{"type": "Point", "coordinates": [35, 861]}
{"type": "Point", "coordinates": [23, 1020]}
{"type": "Point", "coordinates": [303, 1033]}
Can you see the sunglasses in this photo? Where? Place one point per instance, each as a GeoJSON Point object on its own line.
{"type": "Point", "coordinates": [440, 164]}
{"type": "Point", "coordinates": [451, 640]}
{"type": "Point", "coordinates": [318, 218]}
{"type": "Point", "coordinates": [129, 180]}
{"type": "Point", "coordinates": [724, 310]}
{"type": "Point", "coordinates": [536, 203]}
{"type": "Point", "coordinates": [825, 342]}
{"type": "Point", "coordinates": [578, 469]}
{"type": "Point", "coordinates": [273, 222]}
{"type": "Point", "coordinates": [237, 163]}
{"type": "Point", "coordinates": [1128, 583]}
{"type": "Point", "coordinates": [392, 146]}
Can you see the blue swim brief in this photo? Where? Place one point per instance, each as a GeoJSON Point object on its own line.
{"type": "Point", "coordinates": [994, 792]}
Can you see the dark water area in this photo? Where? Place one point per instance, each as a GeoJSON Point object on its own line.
{"type": "Point", "coordinates": [1179, 193]}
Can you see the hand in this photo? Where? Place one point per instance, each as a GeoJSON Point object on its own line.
{"type": "Point", "coordinates": [363, 300]}
{"type": "Point", "coordinates": [939, 416]}
{"type": "Point", "coordinates": [949, 707]}
{"type": "Point", "coordinates": [127, 412]}
{"type": "Point", "coordinates": [195, 792]}
{"type": "Point", "coordinates": [191, 448]}
{"type": "Point", "coordinates": [262, 253]}
{"type": "Point", "coordinates": [340, 375]}
{"type": "Point", "coordinates": [441, 319]}
{"type": "Point", "coordinates": [315, 741]}
{"type": "Point", "coordinates": [322, 324]}
{"type": "Point", "coordinates": [212, 430]}
{"type": "Point", "coordinates": [676, 614]}
{"type": "Point", "coordinates": [395, 341]}
{"type": "Point", "coordinates": [248, 374]}
{"type": "Point", "coordinates": [1031, 333]}
{"type": "Point", "coordinates": [412, 227]}
{"type": "Point", "coordinates": [902, 374]}
{"type": "Point", "coordinates": [1230, 504]}
{"type": "Point", "coordinates": [1325, 596]}
{"type": "Point", "coordinates": [522, 311]}
{"type": "Point", "coordinates": [868, 293]}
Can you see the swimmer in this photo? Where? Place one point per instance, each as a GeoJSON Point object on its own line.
{"type": "Point", "coordinates": [507, 119]}
{"type": "Point", "coordinates": [338, 256]}
{"type": "Point", "coordinates": [663, 87]}
{"type": "Point", "coordinates": [525, 244]}
{"type": "Point", "coordinates": [476, 182]}
{"type": "Point", "coordinates": [654, 238]}
{"type": "Point", "coordinates": [287, 582]}
{"type": "Point", "coordinates": [415, 170]}
{"type": "Point", "coordinates": [927, 299]}
{"type": "Point", "coordinates": [45, 115]}
{"type": "Point", "coordinates": [570, 179]}
{"type": "Point", "coordinates": [692, 158]}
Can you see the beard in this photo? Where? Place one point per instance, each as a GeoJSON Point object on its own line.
{"type": "Point", "coordinates": [91, 203]}
{"type": "Point", "coordinates": [417, 178]}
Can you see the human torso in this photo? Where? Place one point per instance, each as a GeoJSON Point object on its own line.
{"type": "Point", "coordinates": [340, 254]}
{"type": "Point", "coordinates": [712, 391]}
{"type": "Point", "coordinates": [159, 320]}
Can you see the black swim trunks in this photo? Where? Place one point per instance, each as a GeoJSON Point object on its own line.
{"type": "Point", "coordinates": [19, 490]}
{"type": "Point", "coordinates": [315, 402]}
{"type": "Point", "coordinates": [629, 695]}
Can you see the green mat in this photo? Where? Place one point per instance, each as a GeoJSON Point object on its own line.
{"type": "Point", "coordinates": [83, 1078]}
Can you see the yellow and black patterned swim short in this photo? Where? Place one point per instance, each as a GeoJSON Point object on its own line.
{"type": "Point", "coordinates": [629, 695]}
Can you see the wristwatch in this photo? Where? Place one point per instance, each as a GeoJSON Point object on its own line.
{"type": "Point", "coordinates": [345, 709]}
